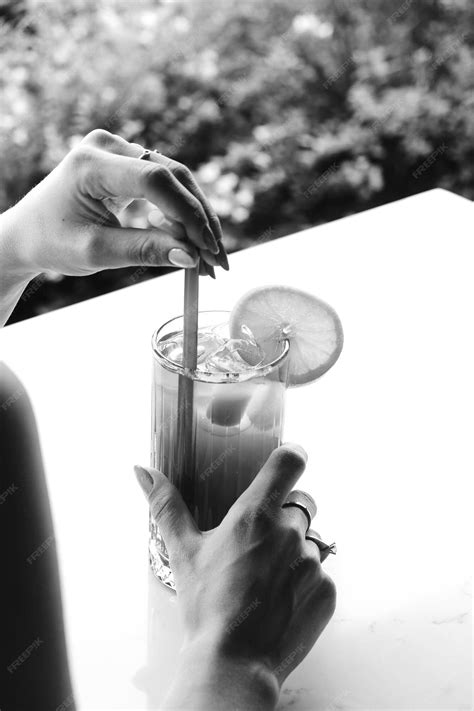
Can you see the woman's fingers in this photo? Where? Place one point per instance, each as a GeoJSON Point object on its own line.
{"type": "Point", "coordinates": [297, 518]}
{"type": "Point", "coordinates": [211, 259]}
{"type": "Point", "coordinates": [222, 257]}
{"type": "Point", "coordinates": [157, 218]}
{"type": "Point", "coordinates": [311, 548]}
{"type": "Point", "coordinates": [112, 247]}
{"type": "Point", "coordinates": [167, 507]}
{"type": "Point", "coordinates": [216, 260]}
{"type": "Point", "coordinates": [116, 144]}
{"type": "Point", "coordinates": [176, 229]}
{"type": "Point", "coordinates": [107, 175]}
{"type": "Point", "coordinates": [184, 175]}
{"type": "Point", "coordinates": [276, 478]}
{"type": "Point", "coordinates": [208, 269]}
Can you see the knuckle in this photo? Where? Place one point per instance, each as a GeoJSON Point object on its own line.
{"type": "Point", "coordinates": [158, 176]}
{"type": "Point", "coordinates": [251, 516]}
{"type": "Point", "coordinates": [263, 517]}
{"type": "Point", "coordinates": [94, 247]}
{"type": "Point", "coordinates": [144, 251]}
{"type": "Point", "coordinates": [293, 534]}
{"type": "Point", "coordinates": [310, 566]}
{"type": "Point", "coordinates": [183, 173]}
{"type": "Point", "coordinates": [82, 157]}
{"type": "Point", "coordinates": [137, 147]}
{"type": "Point", "coordinates": [99, 137]}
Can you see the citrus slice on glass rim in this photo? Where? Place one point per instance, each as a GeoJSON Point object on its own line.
{"type": "Point", "coordinates": [275, 313]}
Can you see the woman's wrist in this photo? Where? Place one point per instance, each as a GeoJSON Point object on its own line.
{"type": "Point", "coordinates": [14, 273]}
{"type": "Point", "coordinates": [13, 263]}
{"type": "Point", "coordinates": [210, 679]}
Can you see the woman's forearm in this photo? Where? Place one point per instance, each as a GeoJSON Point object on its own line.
{"type": "Point", "coordinates": [208, 680]}
{"type": "Point", "coordinates": [14, 277]}
{"type": "Point", "coordinates": [10, 293]}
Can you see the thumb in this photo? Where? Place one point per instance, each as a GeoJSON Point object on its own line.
{"type": "Point", "coordinates": [114, 247]}
{"type": "Point", "coordinates": [167, 507]}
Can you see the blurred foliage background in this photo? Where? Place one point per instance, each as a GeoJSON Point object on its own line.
{"type": "Point", "coordinates": [290, 112]}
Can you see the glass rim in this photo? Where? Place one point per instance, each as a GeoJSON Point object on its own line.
{"type": "Point", "coordinates": [213, 376]}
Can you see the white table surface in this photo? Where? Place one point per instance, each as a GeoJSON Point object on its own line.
{"type": "Point", "coordinates": [389, 437]}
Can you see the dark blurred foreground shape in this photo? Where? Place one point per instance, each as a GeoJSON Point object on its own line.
{"type": "Point", "coordinates": [33, 659]}
{"type": "Point", "coordinates": [291, 113]}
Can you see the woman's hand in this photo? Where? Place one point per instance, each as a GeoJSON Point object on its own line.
{"type": "Point", "coordinates": [68, 222]}
{"type": "Point", "coordinates": [252, 592]}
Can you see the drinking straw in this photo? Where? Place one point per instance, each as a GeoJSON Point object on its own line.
{"type": "Point", "coordinates": [191, 308]}
{"type": "Point", "coordinates": [186, 384]}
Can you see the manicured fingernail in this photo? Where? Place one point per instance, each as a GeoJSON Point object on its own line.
{"type": "Point", "coordinates": [209, 258]}
{"type": "Point", "coordinates": [210, 240]}
{"type": "Point", "coordinates": [180, 258]}
{"type": "Point", "coordinates": [210, 270]}
{"type": "Point", "coordinates": [222, 257]}
{"type": "Point", "coordinates": [144, 478]}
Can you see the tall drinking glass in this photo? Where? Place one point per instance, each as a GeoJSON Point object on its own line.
{"type": "Point", "coordinates": [237, 421]}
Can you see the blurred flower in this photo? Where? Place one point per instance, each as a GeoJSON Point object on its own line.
{"type": "Point", "coordinates": [312, 24]}
{"type": "Point", "coordinates": [209, 172]}
{"type": "Point", "coordinates": [262, 161]}
{"type": "Point", "coordinates": [130, 129]}
{"type": "Point", "coordinates": [244, 196]}
{"type": "Point", "coordinates": [207, 110]}
{"type": "Point", "coordinates": [263, 134]}
{"type": "Point", "coordinates": [362, 176]}
{"type": "Point", "coordinates": [204, 65]}
{"type": "Point", "coordinates": [181, 24]}
{"type": "Point", "coordinates": [20, 136]}
{"type": "Point", "coordinates": [225, 184]}
{"type": "Point", "coordinates": [240, 213]}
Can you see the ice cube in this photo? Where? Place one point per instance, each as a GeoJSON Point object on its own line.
{"type": "Point", "coordinates": [172, 348]}
{"type": "Point", "coordinates": [208, 342]}
{"type": "Point", "coordinates": [216, 353]}
{"type": "Point", "coordinates": [221, 330]}
{"type": "Point", "coordinates": [236, 355]}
